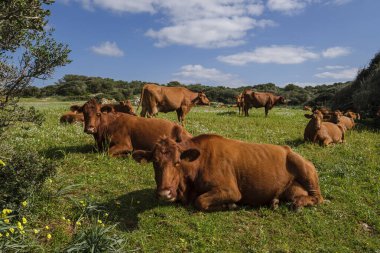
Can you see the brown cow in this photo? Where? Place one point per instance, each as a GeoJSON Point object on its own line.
{"type": "Point", "coordinates": [260, 99]}
{"type": "Point", "coordinates": [307, 108]}
{"type": "Point", "coordinates": [123, 106]}
{"type": "Point", "coordinates": [326, 112]}
{"type": "Point", "coordinates": [323, 132]}
{"type": "Point", "coordinates": [338, 118]}
{"type": "Point", "coordinates": [240, 102]}
{"type": "Point", "coordinates": [352, 115]}
{"type": "Point", "coordinates": [216, 173]}
{"type": "Point", "coordinates": [121, 133]}
{"type": "Point", "coordinates": [72, 116]}
{"type": "Point", "coordinates": [155, 98]}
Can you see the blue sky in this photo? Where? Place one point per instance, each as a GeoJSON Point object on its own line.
{"type": "Point", "coordinates": [217, 42]}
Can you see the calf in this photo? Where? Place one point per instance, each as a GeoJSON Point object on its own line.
{"type": "Point", "coordinates": [123, 106]}
{"type": "Point", "coordinates": [323, 132]}
{"type": "Point", "coordinates": [215, 173]}
{"type": "Point", "coordinates": [121, 133]}
{"type": "Point", "coordinates": [352, 115]}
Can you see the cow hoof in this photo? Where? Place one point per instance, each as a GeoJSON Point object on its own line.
{"type": "Point", "coordinates": [274, 204]}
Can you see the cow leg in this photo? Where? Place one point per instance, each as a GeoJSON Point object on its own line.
{"type": "Point", "coordinates": [120, 150]}
{"type": "Point", "coordinates": [245, 108]}
{"type": "Point", "coordinates": [143, 111]}
{"type": "Point", "coordinates": [266, 111]}
{"type": "Point", "coordinates": [179, 114]}
{"type": "Point", "coordinates": [306, 176]}
{"type": "Point", "coordinates": [218, 199]}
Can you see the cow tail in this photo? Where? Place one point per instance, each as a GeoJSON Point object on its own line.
{"type": "Point", "coordinates": [141, 98]}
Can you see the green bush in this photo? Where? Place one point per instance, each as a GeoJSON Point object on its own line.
{"type": "Point", "coordinates": [22, 175]}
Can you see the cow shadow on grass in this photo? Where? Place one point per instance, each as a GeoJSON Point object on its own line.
{"type": "Point", "coordinates": [295, 142]}
{"type": "Point", "coordinates": [59, 152]}
{"type": "Point", "coordinates": [227, 113]}
{"type": "Point", "coordinates": [125, 209]}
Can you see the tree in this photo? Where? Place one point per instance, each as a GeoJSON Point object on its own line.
{"type": "Point", "coordinates": [27, 51]}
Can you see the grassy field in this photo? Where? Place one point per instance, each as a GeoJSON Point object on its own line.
{"type": "Point", "coordinates": [349, 175]}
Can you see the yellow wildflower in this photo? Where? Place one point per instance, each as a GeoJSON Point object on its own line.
{"type": "Point", "coordinates": [24, 203]}
{"type": "Point", "coordinates": [12, 230]}
{"type": "Point", "coordinates": [1, 235]}
{"type": "Point", "coordinates": [36, 231]}
{"type": "Point", "coordinates": [102, 225]}
{"type": "Point", "coordinates": [78, 223]}
{"type": "Point", "coordinates": [7, 234]}
{"type": "Point", "coordinates": [24, 220]}
{"type": "Point", "coordinates": [106, 215]}
{"type": "Point", "coordinates": [82, 203]}
{"type": "Point", "coordinates": [49, 181]}
{"type": "Point", "coordinates": [20, 226]}
{"type": "Point", "coordinates": [68, 221]}
{"type": "Point", "coordinates": [100, 221]}
{"type": "Point", "coordinates": [2, 164]}
{"type": "Point", "coordinates": [63, 218]}
{"type": "Point", "coordinates": [47, 227]}
{"type": "Point", "coordinates": [48, 236]}
{"type": "Point", "coordinates": [7, 211]}
{"type": "Point", "coordinates": [6, 221]}
{"type": "Point", "coordinates": [22, 232]}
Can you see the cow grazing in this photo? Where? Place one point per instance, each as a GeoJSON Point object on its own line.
{"type": "Point", "coordinates": [323, 132]}
{"type": "Point", "coordinates": [216, 173]}
{"type": "Point", "coordinates": [260, 99]}
{"type": "Point", "coordinates": [240, 102]}
{"type": "Point", "coordinates": [121, 133]}
{"type": "Point", "coordinates": [338, 118]}
{"type": "Point", "coordinates": [155, 98]}
{"type": "Point", "coordinates": [72, 116]}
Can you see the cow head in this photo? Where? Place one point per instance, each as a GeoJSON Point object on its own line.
{"type": "Point", "coordinates": [316, 117]}
{"type": "Point", "coordinates": [202, 98]}
{"type": "Point", "coordinates": [335, 116]}
{"type": "Point", "coordinates": [91, 112]}
{"type": "Point", "coordinates": [281, 100]}
{"type": "Point", "coordinates": [168, 156]}
{"type": "Point", "coordinates": [75, 108]}
{"type": "Point", "coordinates": [126, 106]}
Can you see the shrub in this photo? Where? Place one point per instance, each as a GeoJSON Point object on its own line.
{"type": "Point", "coordinates": [21, 176]}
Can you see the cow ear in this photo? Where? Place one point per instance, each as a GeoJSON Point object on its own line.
{"type": "Point", "coordinates": [190, 155]}
{"type": "Point", "coordinates": [309, 116]}
{"type": "Point", "coordinates": [142, 155]}
{"type": "Point", "coordinates": [177, 133]}
{"type": "Point", "coordinates": [106, 108]}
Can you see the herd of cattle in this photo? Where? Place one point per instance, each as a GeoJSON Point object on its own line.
{"type": "Point", "coordinates": [210, 171]}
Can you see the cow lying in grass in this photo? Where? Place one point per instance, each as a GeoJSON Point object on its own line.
{"type": "Point", "coordinates": [72, 116]}
{"type": "Point", "coordinates": [338, 118]}
{"type": "Point", "coordinates": [122, 133]}
{"type": "Point", "coordinates": [323, 132]}
{"type": "Point", "coordinates": [216, 173]}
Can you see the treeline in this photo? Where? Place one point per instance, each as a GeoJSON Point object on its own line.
{"type": "Point", "coordinates": [363, 94]}
{"type": "Point", "coordinates": [83, 87]}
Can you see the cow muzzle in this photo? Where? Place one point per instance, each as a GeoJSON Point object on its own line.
{"type": "Point", "coordinates": [90, 130]}
{"type": "Point", "coordinates": [166, 195]}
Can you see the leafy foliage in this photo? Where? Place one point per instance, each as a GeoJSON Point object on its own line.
{"type": "Point", "coordinates": [22, 175]}
{"type": "Point", "coordinates": [364, 92]}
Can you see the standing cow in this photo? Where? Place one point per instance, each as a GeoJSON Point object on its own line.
{"type": "Point", "coordinates": [260, 99]}
{"type": "Point", "coordinates": [216, 173]}
{"type": "Point", "coordinates": [240, 102]}
{"type": "Point", "coordinates": [155, 98]}
{"type": "Point", "coordinates": [121, 133]}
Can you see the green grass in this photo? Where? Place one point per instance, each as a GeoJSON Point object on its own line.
{"type": "Point", "coordinates": [349, 174]}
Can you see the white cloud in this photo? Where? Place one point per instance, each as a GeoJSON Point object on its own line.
{"type": "Point", "coordinates": [338, 2]}
{"type": "Point", "coordinates": [198, 23]}
{"type": "Point", "coordinates": [272, 54]}
{"type": "Point", "coordinates": [199, 74]}
{"type": "Point", "coordinates": [334, 52]}
{"type": "Point", "coordinates": [108, 48]}
{"type": "Point", "coordinates": [332, 67]}
{"type": "Point", "coordinates": [345, 74]}
{"type": "Point", "coordinates": [287, 6]}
